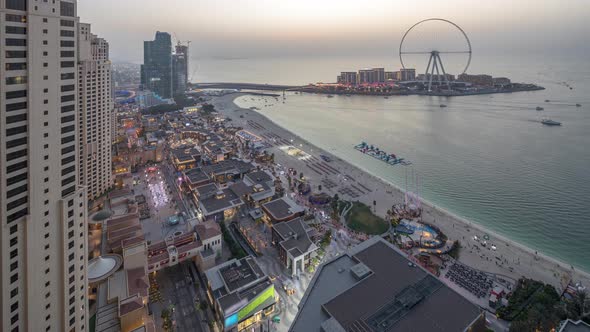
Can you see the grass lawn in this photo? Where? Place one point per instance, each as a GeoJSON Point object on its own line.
{"type": "Point", "coordinates": [361, 219]}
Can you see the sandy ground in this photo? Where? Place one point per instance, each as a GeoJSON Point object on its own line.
{"type": "Point", "coordinates": [509, 259]}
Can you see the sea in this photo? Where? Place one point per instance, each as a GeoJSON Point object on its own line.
{"type": "Point", "coordinates": [486, 158]}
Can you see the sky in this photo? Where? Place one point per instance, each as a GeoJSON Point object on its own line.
{"type": "Point", "coordinates": [236, 29]}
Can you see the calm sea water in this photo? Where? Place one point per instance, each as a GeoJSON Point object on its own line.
{"type": "Point", "coordinates": [486, 158]}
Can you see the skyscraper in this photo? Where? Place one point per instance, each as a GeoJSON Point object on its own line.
{"type": "Point", "coordinates": [95, 114]}
{"type": "Point", "coordinates": [180, 68]}
{"type": "Point", "coordinates": [43, 237]}
{"type": "Point", "coordinates": [156, 71]}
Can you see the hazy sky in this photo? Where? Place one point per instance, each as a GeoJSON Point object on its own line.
{"type": "Point", "coordinates": [256, 28]}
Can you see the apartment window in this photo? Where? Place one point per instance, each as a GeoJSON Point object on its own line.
{"type": "Point", "coordinates": [68, 181]}
{"type": "Point", "coordinates": [14, 318]}
{"type": "Point", "coordinates": [16, 80]}
{"type": "Point", "coordinates": [16, 30]}
{"type": "Point", "coordinates": [67, 23]}
{"type": "Point", "coordinates": [16, 18]}
{"type": "Point", "coordinates": [13, 266]}
{"type": "Point", "coordinates": [68, 108]}
{"type": "Point", "coordinates": [68, 149]}
{"type": "Point", "coordinates": [67, 33]}
{"type": "Point", "coordinates": [45, 42]}
{"type": "Point", "coordinates": [16, 54]}
{"type": "Point", "coordinates": [16, 130]}
{"type": "Point", "coordinates": [67, 43]}
{"type": "Point", "coordinates": [16, 179]}
{"type": "Point", "coordinates": [67, 54]}
{"type": "Point", "coordinates": [16, 66]}
{"type": "Point", "coordinates": [16, 167]}
{"type": "Point", "coordinates": [16, 154]}
{"type": "Point", "coordinates": [16, 42]}
{"type": "Point", "coordinates": [68, 129]}
{"type": "Point", "coordinates": [13, 307]}
{"type": "Point", "coordinates": [13, 229]}
{"type": "Point", "coordinates": [68, 139]}
{"type": "Point", "coordinates": [67, 64]}
{"type": "Point", "coordinates": [68, 160]}
{"type": "Point", "coordinates": [68, 98]}
{"type": "Point", "coordinates": [16, 191]}
{"type": "Point", "coordinates": [68, 76]}
{"type": "Point", "coordinates": [16, 4]}
{"type": "Point", "coordinates": [68, 191]}
{"type": "Point", "coordinates": [16, 118]}
{"type": "Point", "coordinates": [16, 106]}
{"type": "Point", "coordinates": [13, 293]}
{"type": "Point", "coordinates": [67, 9]}
{"type": "Point", "coordinates": [68, 118]}
{"type": "Point", "coordinates": [15, 204]}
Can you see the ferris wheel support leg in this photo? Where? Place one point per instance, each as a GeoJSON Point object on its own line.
{"type": "Point", "coordinates": [432, 69]}
{"type": "Point", "coordinates": [444, 73]}
{"type": "Point", "coordinates": [427, 69]}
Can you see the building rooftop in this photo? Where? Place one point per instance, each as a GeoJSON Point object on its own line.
{"type": "Point", "coordinates": [236, 280]}
{"type": "Point", "coordinates": [282, 208]}
{"type": "Point", "coordinates": [295, 239]}
{"type": "Point", "coordinates": [208, 230]}
{"type": "Point", "coordinates": [196, 175]}
{"type": "Point", "coordinates": [372, 288]}
{"type": "Point", "coordinates": [221, 201]}
{"type": "Point", "coordinates": [574, 326]}
{"type": "Point", "coordinates": [228, 166]}
{"type": "Point", "coordinates": [207, 190]}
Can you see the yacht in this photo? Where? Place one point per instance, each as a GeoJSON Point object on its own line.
{"type": "Point", "coordinates": [549, 122]}
{"type": "Point", "coordinates": [539, 108]}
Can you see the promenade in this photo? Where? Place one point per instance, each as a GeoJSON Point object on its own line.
{"type": "Point", "coordinates": [351, 183]}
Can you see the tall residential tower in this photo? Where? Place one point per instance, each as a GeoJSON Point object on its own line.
{"type": "Point", "coordinates": [95, 112]}
{"type": "Point", "coordinates": [43, 235]}
{"type": "Point", "coordinates": [180, 68]}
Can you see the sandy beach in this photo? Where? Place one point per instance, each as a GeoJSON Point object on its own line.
{"type": "Point", "coordinates": [510, 259]}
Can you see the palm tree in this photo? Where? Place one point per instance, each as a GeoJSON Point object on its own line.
{"type": "Point", "coordinates": [579, 306]}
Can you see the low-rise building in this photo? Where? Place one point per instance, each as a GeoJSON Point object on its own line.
{"type": "Point", "coordinates": [374, 287]}
{"type": "Point", "coordinates": [241, 294]}
{"type": "Point", "coordinates": [256, 188]}
{"type": "Point", "coordinates": [294, 245]}
{"type": "Point", "coordinates": [281, 209]}
{"type": "Point", "coordinates": [185, 158]}
{"type": "Point", "coordinates": [218, 205]}
{"type": "Point", "coordinates": [227, 170]}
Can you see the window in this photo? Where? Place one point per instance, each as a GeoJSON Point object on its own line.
{"type": "Point", "coordinates": [68, 191]}
{"type": "Point", "coordinates": [16, 106]}
{"type": "Point", "coordinates": [68, 139]}
{"type": "Point", "coordinates": [16, 191]}
{"type": "Point", "coordinates": [67, 33]}
{"type": "Point", "coordinates": [16, 167]}
{"type": "Point", "coordinates": [68, 108]}
{"type": "Point", "coordinates": [68, 98]}
{"type": "Point", "coordinates": [16, 30]}
{"type": "Point", "coordinates": [68, 160]}
{"type": "Point", "coordinates": [16, 66]}
{"type": "Point", "coordinates": [16, 130]}
{"type": "Point", "coordinates": [16, 179]}
{"type": "Point", "coordinates": [67, 43]}
{"type": "Point", "coordinates": [16, 4]}
{"type": "Point", "coordinates": [13, 292]}
{"type": "Point", "coordinates": [15, 204]}
{"type": "Point", "coordinates": [68, 76]}
{"type": "Point", "coordinates": [16, 42]}
{"type": "Point", "coordinates": [16, 118]}
{"type": "Point", "coordinates": [67, 9]}
{"type": "Point", "coordinates": [65, 88]}
{"type": "Point", "coordinates": [68, 118]}
{"type": "Point", "coordinates": [16, 18]}
{"type": "Point", "coordinates": [16, 80]}
{"type": "Point", "coordinates": [67, 64]}
{"type": "Point", "coordinates": [67, 23]}
{"type": "Point", "coordinates": [67, 54]}
{"type": "Point", "coordinates": [16, 54]}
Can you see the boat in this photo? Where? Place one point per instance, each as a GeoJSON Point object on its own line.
{"type": "Point", "coordinates": [547, 100]}
{"type": "Point", "coordinates": [325, 158]}
{"type": "Point", "coordinates": [549, 122]}
{"type": "Point", "coordinates": [386, 97]}
{"type": "Point", "coordinates": [578, 105]}
{"type": "Point", "coordinates": [330, 96]}
{"type": "Point", "coordinates": [539, 108]}
{"type": "Point", "coordinates": [442, 105]}
{"type": "Point", "coordinates": [375, 152]}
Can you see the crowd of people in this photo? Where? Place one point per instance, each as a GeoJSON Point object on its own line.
{"type": "Point", "coordinates": [476, 282]}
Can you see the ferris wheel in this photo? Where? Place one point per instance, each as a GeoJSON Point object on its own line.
{"type": "Point", "coordinates": [435, 70]}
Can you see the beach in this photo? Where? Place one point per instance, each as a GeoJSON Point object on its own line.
{"type": "Point", "coordinates": [510, 259]}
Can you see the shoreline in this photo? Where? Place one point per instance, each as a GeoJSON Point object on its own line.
{"type": "Point", "coordinates": [528, 262]}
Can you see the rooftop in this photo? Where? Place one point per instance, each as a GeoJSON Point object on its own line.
{"type": "Point", "coordinates": [282, 208]}
{"type": "Point", "coordinates": [228, 166]}
{"type": "Point", "coordinates": [387, 293]}
{"type": "Point", "coordinates": [196, 175]}
{"type": "Point", "coordinates": [574, 326]}
{"type": "Point", "coordinates": [235, 280]}
{"type": "Point", "coordinates": [295, 239]}
{"type": "Point", "coordinates": [222, 200]}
